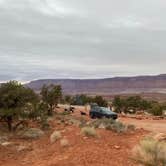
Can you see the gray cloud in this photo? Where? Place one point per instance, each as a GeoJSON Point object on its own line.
{"type": "Point", "coordinates": [81, 39]}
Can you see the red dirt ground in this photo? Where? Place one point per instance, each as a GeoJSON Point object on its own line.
{"type": "Point", "coordinates": [108, 149]}
{"type": "Point", "coordinates": [83, 151]}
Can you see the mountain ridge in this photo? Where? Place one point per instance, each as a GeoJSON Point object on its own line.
{"type": "Point", "coordinates": [135, 84]}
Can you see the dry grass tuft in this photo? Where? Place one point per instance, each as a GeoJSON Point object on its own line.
{"type": "Point", "coordinates": [109, 124]}
{"type": "Point", "coordinates": [131, 127]}
{"type": "Point", "coordinates": [150, 153]}
{"type": "Point", "coordinates": [56, 135]}
{"type": "Point", "coordinates": [89, 131]}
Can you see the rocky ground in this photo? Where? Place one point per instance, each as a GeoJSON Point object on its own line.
{"type": "Point", "coordinates": [107, 149]}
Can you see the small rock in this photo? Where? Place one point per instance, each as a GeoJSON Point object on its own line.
{"type": "Point", "coordinates": [7, 143]}
{"type": "Point", "coordinates": [67, 123]}
{"type": "Point", "coordinates": [63, 131]}
{"type": "Point", "coordinates": [117, 147]}
{"type": "Point", "coordinates": [64, 142]}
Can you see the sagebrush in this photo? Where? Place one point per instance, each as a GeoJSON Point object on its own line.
{"type": "Point", "coordinates": [150, 152]}
{"type": "Point", "coordinates": [89, 131]}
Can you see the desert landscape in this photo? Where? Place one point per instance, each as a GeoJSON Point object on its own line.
{"type": "Point", "coordinates": [108, 148]}
{"type": "Point", "coordinates": [82, 83]}
{"type": "Point", "coordinates": [69, 136]}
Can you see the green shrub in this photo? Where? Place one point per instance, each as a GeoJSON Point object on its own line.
{"type": "Point", "coordinates": [117, 127]}
{"type": "Point", "coordinates": [156, 109]}
{"type": "Point", "coordinates": [89, 131]}
{"type": "Point", "coordinates": [75, 121]}
{"type": "Point", "coordinates": [44, 123]}
{"type": "Point", "coordinates": [104, 121]}
{"type": "Point", "coordinates": [84, 99]}
{"type": "Point", "coordinates": [30, 133]}
{"type": "Point", "coordinates": [51, 95]}
{"type": "Point", "coordinates": [150, 153]}
{"type": "Point", "coordinates": [109, 124]}
{"type": "Point", "coordinates": [65, 113]}
{"type": "Point", "coordinates": [123, 104]}
{"type": "Point", "coordinates": [100, 101]}
{"type": "Point", "coordinates": [15, 100]}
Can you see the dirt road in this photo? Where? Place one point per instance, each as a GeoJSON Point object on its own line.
{"type": "Point", "coordinates": [148, 124]}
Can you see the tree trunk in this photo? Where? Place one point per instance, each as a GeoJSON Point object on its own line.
{"type": "Point", "coordinates": [9, 123]}
{"type": "Point", "coordinates": [23, 122]}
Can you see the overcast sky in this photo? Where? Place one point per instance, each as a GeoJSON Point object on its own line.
{"type": "Point", "coordinates": [81, 38]}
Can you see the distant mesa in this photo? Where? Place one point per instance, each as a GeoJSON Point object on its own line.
{"type": "Point", "coordinates": [116, 85]}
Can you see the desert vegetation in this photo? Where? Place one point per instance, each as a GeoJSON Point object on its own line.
{"type": "Point", "coordinates": [42, 118]}
{"type": "Point", "coordinates": [56, 135]}
{"type": "Point", "coordinates": [84, 99]}
{"type": "Point", "coordinates": [112, 125]}
{"type": "Point", "coordinates": [150, 152]}
{"type": "Point", "coordinates": [19, 103]}
{"type": "Point", "coordinates": [51, 96]}
{"type": "Point", "coordinates": [136, 103]}
{"type": "Point", "coordinates": [89, 131]}
{"type": "Point", "coordinates": [16, 103]}
{"type": "Point", "coordinates": [132, 104]}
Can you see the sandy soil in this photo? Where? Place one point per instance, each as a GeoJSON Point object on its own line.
{"type": "Point", "coordinates": [148, 124]}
